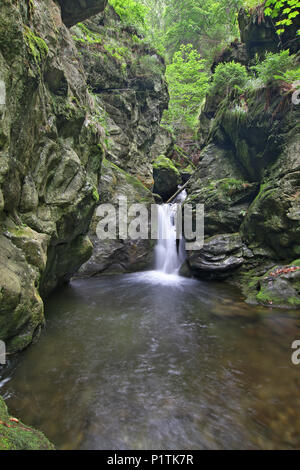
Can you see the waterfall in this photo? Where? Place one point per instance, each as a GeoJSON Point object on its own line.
{"type": "Point", "coordinates": [169, 252]}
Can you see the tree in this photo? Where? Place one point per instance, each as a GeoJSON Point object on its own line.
{"type": "Point", "coordinates": [286, 10]}
{"type": "Point", "coordinates": [188, 84]}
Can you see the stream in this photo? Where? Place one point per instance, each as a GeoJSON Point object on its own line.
{"type": "Point", "coordinates": [156, 361]}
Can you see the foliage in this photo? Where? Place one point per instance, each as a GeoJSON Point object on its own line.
{"type": "Point", "coordinates": [148, 65]}
{"type": "Point", "coordinates": [273, 66]}
{"type": "Point", "coordinates": [188, 84]}
{"type": "Point", "coordinates": [286, 10]}
{"type": "Point", "coordinates": [228, 77]}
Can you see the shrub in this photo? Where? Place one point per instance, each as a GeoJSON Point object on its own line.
{"type": "Point", "coordinates": [229, 76]}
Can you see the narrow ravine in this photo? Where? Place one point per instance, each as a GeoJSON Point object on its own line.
{"type": "Point", "coordinates": [113, 336]}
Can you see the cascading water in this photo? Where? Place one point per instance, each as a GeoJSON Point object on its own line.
{"type": "Point", "coordinates": [169, 255]}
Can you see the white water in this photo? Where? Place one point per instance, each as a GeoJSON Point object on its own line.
{"type": "Point", "coordinates": [169, 253]}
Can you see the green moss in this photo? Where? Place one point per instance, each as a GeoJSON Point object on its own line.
{"type": "Point", "coordinates": [96, 196]}
{"type": "Point", "coordinates": [294, 301]}
{"type": "Point", "coordinates": [14, 435]}
{"type": "Point", "coordinates": [162, 162]}
{"type": "Point", "coordinates": [86, 36]}
{"type": "Point", "coordinates": [132, 180]}
{"type": "Point", "coordinates": [265, 297]}
{"type": "Point", "coordinates": [295, 263]}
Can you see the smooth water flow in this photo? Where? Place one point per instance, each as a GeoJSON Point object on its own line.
{"type": "Point", "coordinates": [169, 252]}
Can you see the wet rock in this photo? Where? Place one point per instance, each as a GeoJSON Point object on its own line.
{"type": "Point", "coordinates": [236, 51]}
{"type": "Point", "coordinates": [17, 436]}
{"type": "Point", "coordinates": [74, 11]}
{"type": "Point", "coordinates": [279, 287]}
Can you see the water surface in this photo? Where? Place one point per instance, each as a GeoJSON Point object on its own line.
{"type": "Point", "coordinates": [150, 361]}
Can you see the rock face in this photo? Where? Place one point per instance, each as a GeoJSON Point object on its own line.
{"type": "Point", "coordinates": [220, 255]}
{"type": "Point", "coordinates": [14, 435]}
{"type": "Point", "coordinates": [249, 180]}
{"type": "Point", "coordinates": [73, 11]}
{"type": "Point", "coordinates": [126, 79]}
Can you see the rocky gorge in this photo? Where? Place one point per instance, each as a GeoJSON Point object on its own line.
{"type": "Point", "coordinates": [81, 102]}
{"type": "Point", "coordinates": [248, 180]}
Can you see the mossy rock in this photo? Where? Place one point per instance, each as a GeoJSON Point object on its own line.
{"type": "Point", "coordinates": [14, 435]}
